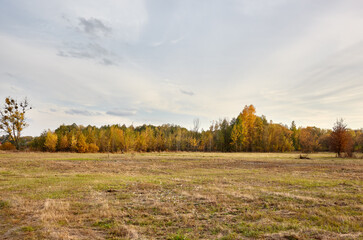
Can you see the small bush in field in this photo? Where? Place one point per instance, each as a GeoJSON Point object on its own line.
{"type": "Point", "coordinates": [7, 146]}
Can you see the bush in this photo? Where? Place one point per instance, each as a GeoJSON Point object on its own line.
{"type": "Point", "coordinates": [7, 146]}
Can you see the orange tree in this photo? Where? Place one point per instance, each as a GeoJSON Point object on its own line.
{"type": "Point", "coordinates": [340, 139]}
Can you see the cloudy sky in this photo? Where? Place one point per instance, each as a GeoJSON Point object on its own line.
{"type": "Point", "coordinates": [154, 61]}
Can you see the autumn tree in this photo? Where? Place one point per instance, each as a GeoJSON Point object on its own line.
{"type": "Point", "coordinates": [63, 143]}
{"type": "Point", "coordinates": [13, 120]}
{"type": "Point", "coordinates": [117, 139]}
{"type": "Point", "coordinates": [260, 133]}
{"type": "Point", "coordinates": [72, 142]}
{"type": "Point", "coordinates": [7, 146]}
{"type": "Point", "coordinates": [243, 130]}
{"type": "Point", "coordinates": [93, 148]}
{"type": "Point", "coordinates": [51, 140]}
{"type": "Point", "coordinates": [278, 138]}
{"type": "Point", "coordinates": [340, 139]}
{"type": "Point", "coordinates": [309, 139]}
{"type": "Point", "coordinates": [160, 141]}
{"type": "Point", "coordinates": [82, 146]}
{"type": "Point", "coordinates": [359, 140]}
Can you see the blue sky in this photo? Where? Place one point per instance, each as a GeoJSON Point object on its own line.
{"type": "Point", "coordinates": [135, 62]}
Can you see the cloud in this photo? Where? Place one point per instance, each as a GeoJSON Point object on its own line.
{"type": "Point", "coordinates": [175, 41]}
{"type": "Point", "coordinates": [157, 44]}
{"type": "Point", "coordinates": [88, 51]}
{"type": "Point", "coordinates": [121, 113]}
{"type": "Point", "coordinates": [81, 112]}
{"type": "Point", "coordinates": [79, 50]}
{"type": "Point", "coordinates": [94, 26]}
{"type": "Point", "coordinates": [106, 61]}
{"type": "Point", "coordinates": [189, 93]}
{"type": "Point", "coordinates": [232, 54]}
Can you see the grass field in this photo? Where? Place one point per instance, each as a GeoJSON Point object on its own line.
{"type": "Point", "coordinates": [180, 196]}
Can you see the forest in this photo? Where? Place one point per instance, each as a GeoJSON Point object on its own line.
{"type": "Point", "coordinates": [245, 133]}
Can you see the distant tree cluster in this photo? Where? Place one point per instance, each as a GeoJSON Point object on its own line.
{"type": "Point", "coordinates": [246, 133]}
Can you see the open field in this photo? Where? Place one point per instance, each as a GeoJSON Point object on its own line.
{"type": "Point", "coordinates": [180, 196]}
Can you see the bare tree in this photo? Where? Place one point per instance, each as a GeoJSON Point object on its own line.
{"type": "Point", "coordinates": [196, 125]}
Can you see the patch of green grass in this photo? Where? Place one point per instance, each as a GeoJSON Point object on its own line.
{"type": "Point", "coordinates": [77, 159]}
{"type": "Point", "coordinates": [257, 229]}
{"type": "Point", "coordinates": [105, 224]}
{"type": "Point", "coordinates": [230, 236]}
{"type": "Point", "coordinates": [4, 204]}
{"type": "Point", "coordinates": [178, 236]}
{"type": "Point", "coordinates": [27, 229]}
{"type": "Point", "coordinates": [6, 173]}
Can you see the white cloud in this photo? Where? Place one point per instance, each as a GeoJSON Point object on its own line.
{"type": "Point", "coordinates": [293, 60]}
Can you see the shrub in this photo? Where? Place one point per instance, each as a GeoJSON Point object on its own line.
{"type": "Point", "coordinates": [7, 146]}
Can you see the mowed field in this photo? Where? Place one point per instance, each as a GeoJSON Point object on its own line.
{"type": "Point", "coordinates": [180, 196]}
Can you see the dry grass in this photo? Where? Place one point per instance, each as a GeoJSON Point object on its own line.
{"type": "Point", "coordinates": [180, 196]}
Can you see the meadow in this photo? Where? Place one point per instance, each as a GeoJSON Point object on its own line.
{"type": "Point", "coordinates": [181, 195]}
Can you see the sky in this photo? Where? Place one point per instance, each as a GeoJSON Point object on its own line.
{"type": "Point", "coordinates": [157, 61]}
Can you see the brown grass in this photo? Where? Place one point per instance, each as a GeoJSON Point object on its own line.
{"type": "Point", "coordinates": [180, 196]}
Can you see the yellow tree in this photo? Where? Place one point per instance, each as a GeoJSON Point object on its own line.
{"type": "Point", "coordinates": [51, 140]}
{"type": "Point", "coordinates": [129, 139]}
{"type": "Point", "coordinates": [193, 143]}
{"type": "Point", "coordinates": [72, 142]}
{"type": "Point", "coordinates": [117, 139]}
{"type": "Point", "coordinates": [12, 119]}
{"type": "Point", "coordinates": [92, 147]}
{"type": "Point", "coordinates": [160, 141]}
{"type": "Point", "coordinates": [63, 143]}
{"type": "Point", "coordinates": [82, 146]}
{"type": "Point", "coordinates": [243, 131]}
{"type": "Point", "coordinates": [278, 138]}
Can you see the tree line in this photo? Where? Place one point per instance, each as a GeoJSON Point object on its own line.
{"type": "Point", "coordinates": [245, 133]}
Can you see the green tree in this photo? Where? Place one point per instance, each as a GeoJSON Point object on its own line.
{"type": "Point", "coordinates": [13, 120]}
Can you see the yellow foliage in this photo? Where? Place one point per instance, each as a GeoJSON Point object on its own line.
{"type": "Point", "coordinates": [81, 144]}
{"type": "Point", "coordinates": [51, 140]}
{"type": "Point", "coordinates": [63, 143]}
{"type": "Point", "coordinates": [93, 148]}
